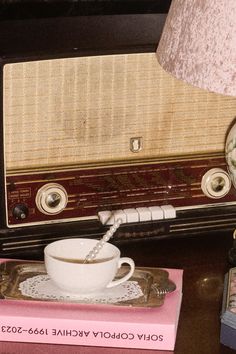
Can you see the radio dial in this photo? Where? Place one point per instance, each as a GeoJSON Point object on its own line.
{"type": "Point", "coordinates": [51, 199]}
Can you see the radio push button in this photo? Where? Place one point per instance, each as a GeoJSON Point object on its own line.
{"type": "Point", "coordinates": [157, 212]}
{"type": "Point", "coordinates": [144, 214]}
{"type": "Point", "coordinates": [168, 211]}
{"type": "Point", "coordinates": [132, 215]}
{"type": "Point", "coordinates": [108, 217]}
{"type": "Point", "coordinates": [51, 199]}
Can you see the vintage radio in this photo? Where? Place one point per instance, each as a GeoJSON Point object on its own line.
{"type": "Point", "coordinates": [91, 125]}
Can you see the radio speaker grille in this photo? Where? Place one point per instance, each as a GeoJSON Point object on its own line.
{"type": "Point", "coordinates": [75, 111]}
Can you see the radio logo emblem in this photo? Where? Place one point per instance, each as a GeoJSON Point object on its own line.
{"type": "Point", "coordinates": [136, 144]}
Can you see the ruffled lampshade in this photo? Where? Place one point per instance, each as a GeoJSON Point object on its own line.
{"type": "Point", "coordinates": [198, 44]}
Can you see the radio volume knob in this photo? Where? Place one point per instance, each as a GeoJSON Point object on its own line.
{"type": "Point", "coordinates": [20, 212]}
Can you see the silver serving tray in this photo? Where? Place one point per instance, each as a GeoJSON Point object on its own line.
{"type": "Point", "coordinates": [154, 283]}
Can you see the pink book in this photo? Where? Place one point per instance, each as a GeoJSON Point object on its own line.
{"type": "Point", "coordinates": [93, 325]}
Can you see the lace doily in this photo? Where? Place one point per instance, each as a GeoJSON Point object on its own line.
{"type": "Point", "coordinates": [41, 287]}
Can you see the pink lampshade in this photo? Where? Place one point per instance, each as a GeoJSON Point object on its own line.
{"type": "Point", "coordinates": [198, 44]}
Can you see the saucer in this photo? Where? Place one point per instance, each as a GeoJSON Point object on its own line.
{"type": "Point", "coordinates": [42, 287]}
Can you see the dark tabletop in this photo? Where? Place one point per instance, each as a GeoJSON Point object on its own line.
{"type": "Point", "coordinates": [205, 261]}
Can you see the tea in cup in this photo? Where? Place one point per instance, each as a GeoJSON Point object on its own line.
{"type": "Point", "coordinates": [64, 262]}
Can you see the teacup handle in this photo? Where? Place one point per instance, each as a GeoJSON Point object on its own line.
{"type": "Point", "coordinates": [122, 260]}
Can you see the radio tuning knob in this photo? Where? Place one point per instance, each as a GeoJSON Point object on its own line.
{"type": "Point", "coordinates": [216, 183]}
{"type": "Point", "coordinates": [51, 199]}
{"type": "Point", "coordinates": [20, 212]}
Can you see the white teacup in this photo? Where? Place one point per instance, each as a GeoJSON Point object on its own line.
{"type": "Point", "coordinates": [64, 264]}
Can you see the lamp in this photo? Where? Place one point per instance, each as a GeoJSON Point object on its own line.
{"type": "Point", "coordinates": [198, 45]}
